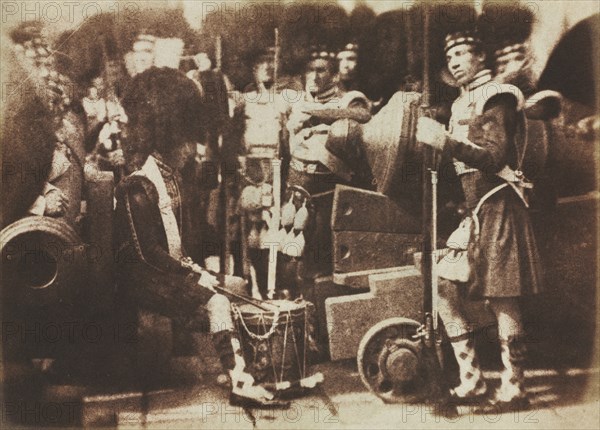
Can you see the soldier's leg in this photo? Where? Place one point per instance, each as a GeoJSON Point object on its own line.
{"type": "Point", "coordinates": [461, 338]}
{"type": "Point", "coordinates": [513, 348]}
{"type": "Point", "coordinates": [229, 349]}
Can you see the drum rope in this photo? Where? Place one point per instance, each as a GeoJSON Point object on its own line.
{"type": "Point", "coordinates": [296, 351]}
{"type": "Point", "coordinates": [305, 341]}
{"type": "Point", "coordinates": [255, 336]}
{"type": "Point", "coordinates": [285, 336]}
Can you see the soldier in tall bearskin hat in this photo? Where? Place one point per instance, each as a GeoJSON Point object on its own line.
{"type": "Point", "coordinates": [494, 254]}
{"type": "Point", "coordinates": [262, 116]}
{"type": "Point", "coordinates": [347, 66]}
{"type": "Point", "coordinates": [154, 271]}
{"type": "Point", "coordinates": [505, 30]}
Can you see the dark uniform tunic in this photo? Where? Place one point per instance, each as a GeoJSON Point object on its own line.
{"type": "Point", "coordinates": [484, 127]}
{"type": "Point", "coordinates": [149, 275]}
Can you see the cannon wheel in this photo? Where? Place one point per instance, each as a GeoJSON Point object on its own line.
{"type": "Point", "coordinates": [389, 361]}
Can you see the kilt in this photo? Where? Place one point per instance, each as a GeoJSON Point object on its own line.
{"type": "Point", "coordinates": [148, 288]}
{"type": "Point", "coordinates": [504, 259]}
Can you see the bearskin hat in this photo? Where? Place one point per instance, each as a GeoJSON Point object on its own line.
{"type": "Point", "coordinates": [505, 29]}
{"type": "Point", "coordinates": [164, 109]}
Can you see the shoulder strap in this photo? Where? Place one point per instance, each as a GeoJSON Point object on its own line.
{"type": "Point", "coordinates": [487, 195]}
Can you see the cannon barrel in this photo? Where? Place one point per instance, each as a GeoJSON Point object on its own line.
{"type": "Point", "coordinates": [43, 262]}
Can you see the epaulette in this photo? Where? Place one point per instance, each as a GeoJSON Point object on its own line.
{"type": "Point", "coordinates": [494, 89]}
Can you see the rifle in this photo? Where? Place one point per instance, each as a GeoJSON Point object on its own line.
{"type": "Point", "coordinates": [432, 351]}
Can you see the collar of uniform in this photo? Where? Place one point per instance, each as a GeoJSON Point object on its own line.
{"type": "Point", "coordinates": [482, 77]}
{"type": "Point", "coordinates": [160, 162]}
{"type": "Point", "coordinates": [326, 95]}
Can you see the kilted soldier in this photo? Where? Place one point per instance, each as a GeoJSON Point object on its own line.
{"type": "Point", "coordinates": [505, 31]}
{"type": "Point", "coordinates": [154, 272]}
{"type": "Point", "coordinates": [501, 262]}
{"type": "Point", "coordinates": [317, 164]}
{"type": "Point", "coordinates": [264, 114]}
{"type": "Point", "coordinates": [203, 179]}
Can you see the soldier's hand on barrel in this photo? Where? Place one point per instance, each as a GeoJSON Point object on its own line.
{"type": "Point", "coordinates": [208, 281]}
{"type": "Point", "coordinates": [297, 120]}
{"type": "Point", "coordinates": [56, 203]}
{"type": "Point", "coordinates": [430, 132]}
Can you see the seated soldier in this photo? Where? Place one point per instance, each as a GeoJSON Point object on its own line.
{"type": "Point", "coordinates": [154, 272]}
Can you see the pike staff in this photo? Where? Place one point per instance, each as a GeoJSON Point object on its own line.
{"type": "Point", "coordinates": [224, 261]}
{"type": "Point", "coordinates": [276, 218]}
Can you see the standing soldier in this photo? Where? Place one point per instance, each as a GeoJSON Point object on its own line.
{"type": "Point", "coordinates": [203, 179]}
{"type": "Point", "coordinates": [347, 64]}
{"type": "Point", "coordinates": [262, 115]}
{"type": "Point", "coordinates": [317, 165]}
{"type": "Point", "coordinates": [501, 262]}
{"type": "Point", "coordinates": [507, 32]}
{"type": "Point", "coordinates": [314, 166]}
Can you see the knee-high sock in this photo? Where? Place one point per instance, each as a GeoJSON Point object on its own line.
{"type": "Point", "coordinates": [229, 349]}
{"type": "Point", "coordinates": [219, 314]}
{"type": "Point", "coordinates": [461, 339]}
{"type": "Point", "coordinates": [224, 348]}
{"type": "Point", "coordinates": [225, 340]}
{"type": "Point", "coordinates": [513, 352]}
{"type": "Point", "coordinates": [513, 348]}
{"type": "Point", "coordinates": [450, 309]}
{"type": "Point", "coordinates": [471, 378]}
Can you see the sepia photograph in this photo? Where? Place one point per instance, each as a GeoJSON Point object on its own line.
{"type": "Point", "coordinates": [300, 214]}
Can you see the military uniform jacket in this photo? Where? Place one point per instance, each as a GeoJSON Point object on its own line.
{"type": "Point", "coordinates": [147, 273]}
{"type": "Point", "coordinates": [264, 114]}
{"type": "Point", "coordinates": [483, 141]}
{"type": "Point", "coordinates": [309, 136]}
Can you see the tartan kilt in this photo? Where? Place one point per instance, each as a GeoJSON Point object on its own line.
{"type": "Point", "coordinates": [504, 258]}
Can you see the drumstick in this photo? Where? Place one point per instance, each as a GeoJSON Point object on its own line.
{"type": "Point", "coordinates": [248, 300]}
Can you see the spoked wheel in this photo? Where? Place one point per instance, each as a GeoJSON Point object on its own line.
{"type": "Point", "coordinates": [389, 361]}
